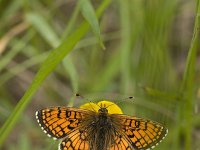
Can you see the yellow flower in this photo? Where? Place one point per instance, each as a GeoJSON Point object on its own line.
{"type": "Point", "coordinates": [111, 107]}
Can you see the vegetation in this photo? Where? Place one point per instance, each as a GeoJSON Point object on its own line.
{"type": "Point", "coordinates": [51, 50]}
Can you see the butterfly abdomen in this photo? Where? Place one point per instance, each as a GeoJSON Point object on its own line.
{"type": "Point", "coordinates": [102, 132]}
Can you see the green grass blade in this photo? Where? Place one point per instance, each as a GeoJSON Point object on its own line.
{"type": "Point", "coordinates": [188, 84]}
{"type": "Point", "coordinates": [46, 31]}
{"type": "Point", "coordinates": [7, 13]}
{"type": "Point", "coordinates": [89, 14]}
{"type": "Point", "coordinates": [11, 54]}
{"type": "Point", "coordinates": [125, 46]}
{"type": "Point", "coordinates": [53, 59]}
{"type": "Point", "coordinates": [4, 60]}
{"type": "Point", "coordinates": [13, 71]}
{"type": "Point", "coordinates": [73, 74]}
{"type": "Point", "coordinates": [70, 25]}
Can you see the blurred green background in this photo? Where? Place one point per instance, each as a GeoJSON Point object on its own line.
{"type": "Point", "coordinates": [150, 53]}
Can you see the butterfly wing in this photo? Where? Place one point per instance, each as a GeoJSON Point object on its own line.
{"type": "Point", "coordinates": [57, 122]}
{"type": "Point", "coordinates": [121, 143]}
{"type": "Point", "coordinates": [140, 133]}
{"type": "Point", "coordinates": [76, 140]}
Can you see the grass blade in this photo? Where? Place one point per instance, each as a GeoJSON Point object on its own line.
{"type": "Point", "coordinates": [188, 83]}
{"type": "Point", "coordinates": [43, 28]}
{"type": "Point", "coordinates": [89, 14]}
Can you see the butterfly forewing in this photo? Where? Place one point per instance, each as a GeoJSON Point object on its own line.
{"type": "Point", "coordinates": [57, 122]}
{"type": "Point", "coordinates": [142, 133]}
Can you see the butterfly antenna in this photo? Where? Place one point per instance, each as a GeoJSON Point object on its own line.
{"type": "Point", "coordinates": [130, 97]}
{"type": "Point", "coordinates": [78, 95]}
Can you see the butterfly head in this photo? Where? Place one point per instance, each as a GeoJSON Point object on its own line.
{"type": "Point", "coordinates": [103, 110]}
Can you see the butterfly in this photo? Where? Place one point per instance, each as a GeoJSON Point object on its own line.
{"type": "Point", "coordinates": [100, 126]}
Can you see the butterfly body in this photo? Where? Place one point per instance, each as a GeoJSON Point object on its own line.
{"type": "Point", "coordinates": [99, 128]}
{"type": "Point", "coordinates": [102, 131]}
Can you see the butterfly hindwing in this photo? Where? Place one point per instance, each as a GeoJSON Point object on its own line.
{"type": "Point", "coordinates": [57, 122]}
{"type": "Point", "coordinates": [121, 143]}
{"type": "Point", "coordinates": [76, 140]}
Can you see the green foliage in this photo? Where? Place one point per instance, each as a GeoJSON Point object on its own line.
{"type": "Point", "coordinates": [50, 50]}
{"type": "Point", "coordinates": [89, 14]}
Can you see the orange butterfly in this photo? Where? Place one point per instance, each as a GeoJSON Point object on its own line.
{"type": "Point", "coordinates": [99, 126]}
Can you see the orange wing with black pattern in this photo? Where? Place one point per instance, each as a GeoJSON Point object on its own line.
{"type": "Point", "coordinates": [76, 140]}
{"type": "Point", "coordinates": [57, 122]}
{"type": "Point", "coordinates": [121, 143]}
{"type": "Point", "coordinates": [140, 133]}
